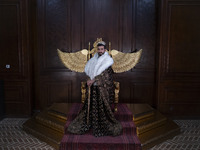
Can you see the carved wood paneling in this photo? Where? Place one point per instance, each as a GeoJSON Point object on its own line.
{"type": "Point", "coordinates": [179, 73]}
{"type": "Point", "coordinates": [142, 92]}
{"type": "Point", "coordinates": [55, 92]}
{"type": "Point", "coordinates": [14, 94]}
{"type": "Point", "coordinates": [103, 19]}
{"type": "Point", "coordinates": [54, 32]}
{"type": "Point", "coordinates": [14, 51]}
{"type": "Point", "coordinates": [17, 100]}
{"type": "Point", "coordinates": [145, 33]}
{"type": "Point", "coordinates": [180, 24]}
{"type": "Point", "coordinates": [181, 94]}
{"type": "Point", "coordinates": [70, 25]}
{"type": "Point", "coordinates": [11, 38]}
{"type": "Point", "coordinates": [184, 110]}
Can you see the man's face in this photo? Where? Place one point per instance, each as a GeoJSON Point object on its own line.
{"type": "Point", "coordinates": [101, 50]}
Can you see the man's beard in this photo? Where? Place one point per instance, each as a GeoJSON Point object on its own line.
{"type": "Point", "coordinates": [100, 54]}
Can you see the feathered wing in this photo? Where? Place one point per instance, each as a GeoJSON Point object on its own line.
{"type": "Point", "coordinates": [74, 61]}
{"type": "Point", "coordinates": [124, 61]}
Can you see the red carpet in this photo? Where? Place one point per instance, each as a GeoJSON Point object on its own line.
{"type": "Point", "coordinates": [127, 141]}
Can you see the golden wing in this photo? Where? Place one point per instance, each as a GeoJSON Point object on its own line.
{"type": "Point", "coordinates": [74, 61]}
{"type": "Point", "coordinates": [124, 61]}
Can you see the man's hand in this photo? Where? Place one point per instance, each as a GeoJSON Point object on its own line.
{"type": "Point", "coordinates": [90, 82]}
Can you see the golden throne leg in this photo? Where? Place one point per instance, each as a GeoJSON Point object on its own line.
{"type": "Point", "coordinates": [83, 91]}
{"type": "Point", "coordinates": [116, 101]}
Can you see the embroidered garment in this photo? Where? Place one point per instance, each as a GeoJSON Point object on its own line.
{"type": "Point", "coordinates": [101, 118]}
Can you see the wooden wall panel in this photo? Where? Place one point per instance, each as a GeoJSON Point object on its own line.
{"type": "Point", "coordinates": [55, 92]}
{"type": "Point", "coordinates": [142, 92]}
{"type": "Point", "coordinates": [179, 78]}
{"type": "Point", "coordinates": [53, 32]}
{"type": "Point", "coordinates": [103, 19]}
{"type": "Point", "coordinates": [178, 93]}
{"type": "Point", "coordinates": [11, 35]}
{"type": "Point", "coordinates": [184, 38]}
{"type": "Point", "coordinates": [71, 25]}
{"type": "Point", "coordinates": [15, 95]}
{"type": "Point", "coordinates": [14, 51]}
{"type": "Point", "coordinates": [167, 78]}
{"type": "Point", "coordinates": [145, 33]}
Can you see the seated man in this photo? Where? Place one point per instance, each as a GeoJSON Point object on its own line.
{"type": "Point", "coordinates": [101, 118]}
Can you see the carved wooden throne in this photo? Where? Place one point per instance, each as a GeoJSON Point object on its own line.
{"type": "Point", "coordinates": [116, 100]}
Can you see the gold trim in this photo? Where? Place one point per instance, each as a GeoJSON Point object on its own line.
{"type": "Point", "coordinates": [57, 115]}
{"type": "Point", "coordinates": [51, 124]}
{"type": "Point", "coordinates": [138, 119]}
{"type": "Point", "coordinates": [150, 126]}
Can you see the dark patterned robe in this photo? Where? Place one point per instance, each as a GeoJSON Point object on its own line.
{"type": "Point", "coordinates": [101, 118]}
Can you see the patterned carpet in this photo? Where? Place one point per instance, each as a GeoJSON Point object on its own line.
{"type": "Point", "coordinates": [126, 140]}
{"type": "Point", "coordinates": [12, 137]}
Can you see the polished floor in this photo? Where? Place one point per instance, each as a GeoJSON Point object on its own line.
{"type": "Point", "coordinates": [12, 137]}
{"type": "Point", "coordinates": [189, 139]}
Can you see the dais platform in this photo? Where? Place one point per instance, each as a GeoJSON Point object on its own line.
{"type": "Point", "coordinates": [151, 127]}
{"type": "Point", "coordinates": [48, 125]}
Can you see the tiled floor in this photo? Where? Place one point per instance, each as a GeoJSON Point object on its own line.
{"type": "Point", "coordinates": [189, 139]}
{"type": "Point", "coordinates": [12, 137]}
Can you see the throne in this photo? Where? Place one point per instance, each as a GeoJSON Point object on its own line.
{"type": "Point", "coordinates": [116, 99]}
{"type": "Point", "coordinates": [76, 61]}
